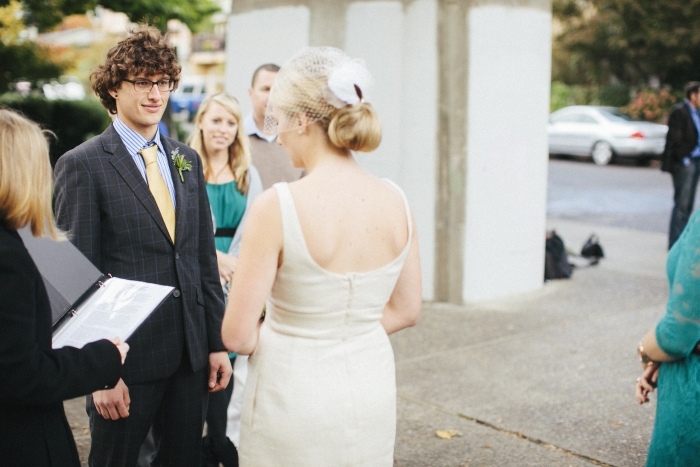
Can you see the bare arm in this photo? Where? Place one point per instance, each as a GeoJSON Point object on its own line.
{"type": "Point", "coordinates": [261, 250]}
{"type": "Point", "coordinates": [652, 349]}
{"type": "Point", "coordinates": [405, 302]}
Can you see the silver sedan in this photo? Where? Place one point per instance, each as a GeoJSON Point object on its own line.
{"type": "Point", "coordinates": [603, 133]}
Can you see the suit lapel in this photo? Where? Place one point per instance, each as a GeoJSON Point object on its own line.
{"type": "Point", "coordinates": [124, 164]}
{"type": "Point", "coordinates": [180, 190]}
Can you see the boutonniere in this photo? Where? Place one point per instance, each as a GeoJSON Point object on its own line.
{"type": "Point", "coordinates": [181, 164]}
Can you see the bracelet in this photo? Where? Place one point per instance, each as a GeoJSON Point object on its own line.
{"type": "Point", "coordinates": [643, 357]}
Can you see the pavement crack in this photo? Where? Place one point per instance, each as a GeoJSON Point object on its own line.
{"type": "Point", "coordinates": [521, 435]}
{"type": "Point", "coordinates": [517, 434]}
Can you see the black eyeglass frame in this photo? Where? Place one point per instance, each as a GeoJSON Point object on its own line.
{"type": "Point", "coordinates": [172, 84]}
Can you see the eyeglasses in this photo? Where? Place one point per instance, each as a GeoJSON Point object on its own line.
{"type": "Point", "coordinates": [145, 85]}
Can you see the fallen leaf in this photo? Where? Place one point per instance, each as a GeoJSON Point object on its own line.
{"type": "Point", "coordinates": [447, 434]}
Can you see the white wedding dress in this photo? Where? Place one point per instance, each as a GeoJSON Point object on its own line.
{"type": "Point", "coordinates": [321, 388]}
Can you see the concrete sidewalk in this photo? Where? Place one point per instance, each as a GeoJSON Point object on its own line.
{"type": "Point", "coordinates": [545, 378]}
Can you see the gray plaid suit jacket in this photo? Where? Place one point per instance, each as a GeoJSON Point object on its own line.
{"type": "Point", "coordinates": [103, 202]}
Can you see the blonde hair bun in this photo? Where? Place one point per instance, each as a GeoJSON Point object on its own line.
{"type": "Point", "coordinates": [355, 127]}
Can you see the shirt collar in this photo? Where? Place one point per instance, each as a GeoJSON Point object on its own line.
{"type": "Point", "coordinates": [133, 141]}
{"type": "Point", "coordinates": [251, 128]}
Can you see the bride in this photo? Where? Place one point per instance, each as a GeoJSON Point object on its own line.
{"type": "Point", "coordinates": [333, 258]}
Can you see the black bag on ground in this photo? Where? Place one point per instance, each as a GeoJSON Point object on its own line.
{"type": "Point", "coordinates": [556, 261]}
{"type": "Point", "coordinates": [592, 249]}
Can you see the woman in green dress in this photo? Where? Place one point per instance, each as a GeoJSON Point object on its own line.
{"type": "Point", "coordinates": [671, 360]}
{"type": "Point", "coordinates": [232, 185]}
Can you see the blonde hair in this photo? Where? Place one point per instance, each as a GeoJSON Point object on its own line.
{"type": "Point", "coordinates": [26, 179]}
{"type": "Point", "coordinates": [355, 127]}
{"type": "Point", "coordinates": [324, 85]}
{"type": "Point", "coordinates": [238, 152]}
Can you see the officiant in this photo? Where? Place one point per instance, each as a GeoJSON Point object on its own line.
{"type": "Point", "coordinates": [36, 378]}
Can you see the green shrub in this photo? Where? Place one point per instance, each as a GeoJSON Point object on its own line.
{"type": "Point", "coordinates": [73, 122]}
{"type": "Point", "coordinates": [562, 95]}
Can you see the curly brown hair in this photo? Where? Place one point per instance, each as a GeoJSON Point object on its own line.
{"type": "Point", "coordinates": [144, 52]}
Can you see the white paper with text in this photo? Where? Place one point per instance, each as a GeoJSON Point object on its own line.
{"type": "Point", "coordinates": [115, 310]}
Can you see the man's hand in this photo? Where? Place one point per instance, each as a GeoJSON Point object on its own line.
{"type": "Point", "coordinates": [113, 404]}
{"type": "Point", "coordinates": [219, 371]}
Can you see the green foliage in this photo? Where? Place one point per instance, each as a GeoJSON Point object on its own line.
{"type": "Point", "coordinates": [650, 104]}
{"type": "Point", "coordinates": [616, 95]}
{"type": "Point", "coordinates": [562, 95]}
{"type": "Point", "coordinates": [25, 61]}
{"type": "Point", "coordinates": [628, 41]}
{"type": "Point", "coordinates": [73, 122]}
{"type": "Point", "coordinates": [48, 13]}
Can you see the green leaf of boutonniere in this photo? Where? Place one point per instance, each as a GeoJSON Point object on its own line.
{"type": "Point", "coordinates": [181, 164]}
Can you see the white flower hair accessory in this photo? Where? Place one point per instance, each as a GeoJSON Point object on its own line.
{"type": "Point", "coordinates": [347, 84]}
{"type": "Point", "coordinates": [312, 85]}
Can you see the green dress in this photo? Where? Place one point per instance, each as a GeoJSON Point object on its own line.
{"type": "Point", "coordinates": [228, 206]}
{"type": "Point", "coordinates": [676, 437]}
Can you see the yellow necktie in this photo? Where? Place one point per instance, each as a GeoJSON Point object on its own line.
{"type": "Point", "coordinates": [158, 188]}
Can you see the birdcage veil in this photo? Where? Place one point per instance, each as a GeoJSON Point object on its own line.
{"type": "Point", "coordinates": [311, 85]}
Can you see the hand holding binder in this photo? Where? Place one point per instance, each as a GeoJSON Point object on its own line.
{"type": "Point", "coordinates": [86, 305]}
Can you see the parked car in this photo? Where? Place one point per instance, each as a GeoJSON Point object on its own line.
{"type": "Point", "coordinates": [185, 100]}
{"type": "Point", "coordinates": [603, 133]}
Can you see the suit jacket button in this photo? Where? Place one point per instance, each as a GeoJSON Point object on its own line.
{"type": "Point", "coordinates": [176, 293]}
{"type": "Point", "coordinates": [177, 255]}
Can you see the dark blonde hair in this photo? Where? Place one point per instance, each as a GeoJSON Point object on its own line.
{"type": "Point", "coordinates": [26, 179]}
{"type": "Point", "coordinates": [145, 52]}
{"type": "Point", "coordinates": [238, 151]}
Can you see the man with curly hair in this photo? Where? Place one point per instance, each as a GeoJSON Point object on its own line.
{"type": "Point", "coordinates": [134, 202]}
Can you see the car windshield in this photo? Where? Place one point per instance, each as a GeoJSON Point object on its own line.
{"type": "Point", "coordinates": [615, 115]}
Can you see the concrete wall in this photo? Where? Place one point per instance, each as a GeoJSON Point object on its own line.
{"type": "Point", "coordinates": [508, 108]}
{"type": "Point", "coordinates": [473, 167]}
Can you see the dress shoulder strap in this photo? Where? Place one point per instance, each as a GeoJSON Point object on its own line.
{"type": "Point", "coordinates": [409, 220]}
{"type": "Point", "coordinates": [291, 228]}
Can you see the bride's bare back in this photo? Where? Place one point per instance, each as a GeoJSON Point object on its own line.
{"type": "Point", "coordinates": [352, 221]}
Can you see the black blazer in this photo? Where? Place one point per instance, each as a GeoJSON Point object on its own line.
{"type": "Point", "coordinates": [104, 203]}
{"type": "Point", "coordinates": [35, 378]}
{"type": "Point", "coordinates": [681, 139]}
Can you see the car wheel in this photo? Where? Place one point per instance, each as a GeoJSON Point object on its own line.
{"type": "Point", "coordinates": [602, 153]}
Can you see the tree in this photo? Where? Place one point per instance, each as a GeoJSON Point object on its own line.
{"type": "Point", "coordinates": [44, 14]}
{"type": "Point", "coordinates": [23, 60]}
{"type": "Point", "coordinates": [606, 41]}
{"type": "Point", "coordinates": [29, 62]}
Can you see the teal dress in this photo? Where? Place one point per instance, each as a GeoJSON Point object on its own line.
{"type": "Point", "coordinates": [676, 437]}
{"type": "Point", "coordinates": [228, 206]}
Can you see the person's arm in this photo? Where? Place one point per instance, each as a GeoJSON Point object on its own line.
{"type": "Point", "coordinates": [255, 274]}
{"type": "Point", "coordinates": [77, 212]}
{"type": "Point", "coordinates": [219, 363]}
{"type": "Point", "coordinates": [678, 332]}
{"type": "Point", "coordinates": [405, 302]}
{"type": "Point", "coordinates": [75, 206]}
{"type": "Point", "coordinates": [29, 371]}
{"type": "Point", "coordinates": [209, 272]}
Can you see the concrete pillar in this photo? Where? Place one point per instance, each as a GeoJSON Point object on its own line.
{"type": "Point", "coordinates": [462, 88]}
{"type": "Point", "coordinates": [452, 157]}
